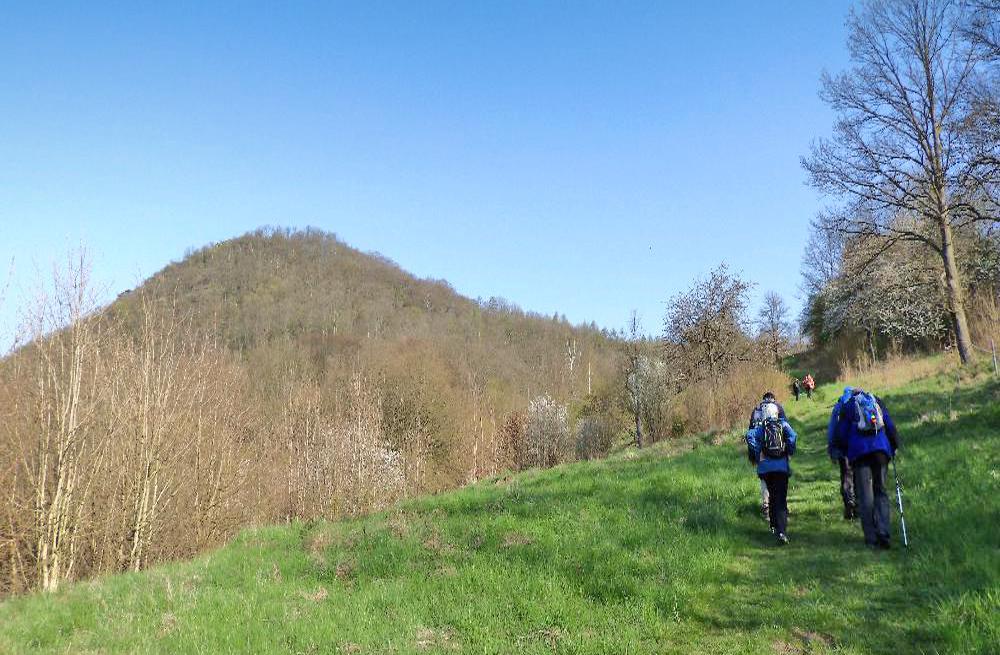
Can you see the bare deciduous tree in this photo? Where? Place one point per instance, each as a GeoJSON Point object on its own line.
{"type": "Point", "coordinates": [160, 376]}
{"type": "Point", "coordinates": [902, 144]}
{"type": "Point", "coordinates": [706, 327]}
{"type": "Point", "coordinates": [631, 360]}
{"type": "Point", "coordinates": [983, 27]}
{"type": "Point", "coordinates": [66, 395]}
{"type": "Point", "coordinates": [773, 325]}
{"type": "Point", "coordinates": [821, 259]}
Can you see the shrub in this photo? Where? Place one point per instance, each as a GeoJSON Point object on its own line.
{"type": "Point", "coordinates": [594, 437]}
{"type": "Point", "coordinates": [547, 436]}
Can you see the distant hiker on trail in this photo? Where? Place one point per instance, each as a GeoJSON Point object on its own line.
{"type": "Point", "coordinates": [796, 388]}
{"type": "Point", "coordinates": [866, 434]}
{"type": "Point", "coordinates": [840, 457]}
{"type": "Point", "coordinates": [770, 443]}
{"type": "Point", "coordinates": [757, 418]}
{"type": "Point", "coordinates": [809, 383]}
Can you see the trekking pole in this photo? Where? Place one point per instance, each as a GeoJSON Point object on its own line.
{"type": "Point", "coordinates": [993, 347]}
{"type": "Point", "coordinates": [899, 500]}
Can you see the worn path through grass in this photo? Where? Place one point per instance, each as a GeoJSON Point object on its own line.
{"type": "Point", "coordinates": [641, 553]}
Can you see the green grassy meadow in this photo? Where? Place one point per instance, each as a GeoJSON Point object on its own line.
{"type": "Point", "coordinates": [661, 551]}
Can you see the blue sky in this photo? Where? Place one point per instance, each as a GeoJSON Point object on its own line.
{"type": "Point", "coordinates": [585, 158]}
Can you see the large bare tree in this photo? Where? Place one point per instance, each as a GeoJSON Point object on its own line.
{"type": "Point", "coordinates": [773, 326]}
{"type": "Point", "coordinates": [905, 143]}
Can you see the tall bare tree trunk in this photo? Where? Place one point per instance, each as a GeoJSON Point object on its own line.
{"type": "Point", "coordinates": [65, 403]}
{"type": "Point", "coordinates": [956, 296]}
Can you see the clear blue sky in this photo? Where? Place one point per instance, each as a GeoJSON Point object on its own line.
{"type": "Point", "coordinates": [585, 158]}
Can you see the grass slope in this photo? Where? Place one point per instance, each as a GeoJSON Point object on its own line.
{"type": "Point", "coordinates": [658, 552]}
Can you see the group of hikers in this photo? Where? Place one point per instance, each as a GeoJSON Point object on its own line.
{"type": "Point", "coordinates": [807, 383]}
{"type": "Point", "coordinates": [861, 439]}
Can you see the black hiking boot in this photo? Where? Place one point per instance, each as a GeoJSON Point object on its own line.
{"type": "Point", "coordinates": [883, 542]}
{"type": "Point", "coordinates": [782, 539]}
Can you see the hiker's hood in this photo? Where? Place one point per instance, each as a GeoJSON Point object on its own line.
{"type": "Point", "coordinates": [847, 394]}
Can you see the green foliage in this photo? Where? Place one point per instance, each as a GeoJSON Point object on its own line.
{"type": "Point", "coordinates": [650, 552]}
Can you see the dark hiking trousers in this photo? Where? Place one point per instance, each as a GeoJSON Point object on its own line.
{"type": "Point", "coordinates": [873, 501]}
{"type": "Point", "coordinates": [777, 509]}
{"type": "Point", "coordinates": [847, 484]}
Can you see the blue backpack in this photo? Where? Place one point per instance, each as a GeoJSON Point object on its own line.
{"type": "Point", "coordinates": [869, 414]}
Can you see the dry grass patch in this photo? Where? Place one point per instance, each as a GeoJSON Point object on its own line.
{"type": "Point", "coordinates": [516, 539]}
{"type": "Point", "coordinates": [782, 647]}
{"type": "Point", "coordinates": [345, 571]}
{"type": "Point", "coordinates": [442, 638]}
{"type": "Point", "coordinates": [549, 636]}
{"type": "Point", "coordinates": [398, 524]}
{"type": "Point", "coordinates": [810, 638]}
{"type": "Point", "coordinates": [895, 371]}
{"type": "Point", "coordinates": [317, 596]}
{"type": "Point", "coordinates": [437, 545]}
{"type": "Point", "coordinates": [168, 623]}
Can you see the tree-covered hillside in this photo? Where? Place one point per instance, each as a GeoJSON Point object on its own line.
{"type": "Point", "coordinates": [276, 376]}
{"type": "Point", "coordinates": [272, 289]}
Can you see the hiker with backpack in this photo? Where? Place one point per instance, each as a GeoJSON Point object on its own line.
{"type": "Point", "coordinates": [770, 443]}
{"type": "Point", "coordinates": [810, 384]}
{"type": "Point", "coordinates": [840, 457]}
{"type": "Point", "coordinates": [756, 419]}
{"type": "Point", "coordinates": [866, 434]}
{"type": "Point", "coordinates": [796, 389]}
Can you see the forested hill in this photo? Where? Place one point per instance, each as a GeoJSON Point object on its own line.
{"type": "Point", "coordinates": [273, 377]}
{"type": "Point", "coordinates": [280, 296]}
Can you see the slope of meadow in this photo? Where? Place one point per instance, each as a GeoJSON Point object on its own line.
{"type": "Point", "coordinates": [661, 551]}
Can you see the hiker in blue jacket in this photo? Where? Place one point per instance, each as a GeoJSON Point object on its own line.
{"type": "Point", "coordinates": [770, 444]}
{"type": "Point", "coordinates": [840, 457]}
{"type": "Point", "coordinates": [866, 434]}
{"type": "Point", "coordinates": [757, 418]}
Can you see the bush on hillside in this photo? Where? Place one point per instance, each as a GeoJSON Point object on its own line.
{"type": "Point", "coordinates": [595, 436]}
{"type": "Point", "coordinates": [547, 436]}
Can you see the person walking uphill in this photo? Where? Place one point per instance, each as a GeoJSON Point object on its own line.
{"type": "Point", "coordinates": [840, 457]}
{"type": "Point", "coordinates": [771, 443]}
{"type": "Point", "coordinates": [810, 385]}
{"type": "Point", "coordinates": [866, 434]}
{"type": "Point", "coordinates": [756, 419]}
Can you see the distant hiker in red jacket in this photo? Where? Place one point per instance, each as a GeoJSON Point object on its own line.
{"type": "Point", "coordinates": [809, 385]}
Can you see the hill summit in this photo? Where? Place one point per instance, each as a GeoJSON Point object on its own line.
{"type": "Point", "coordinates": [274, 286]}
